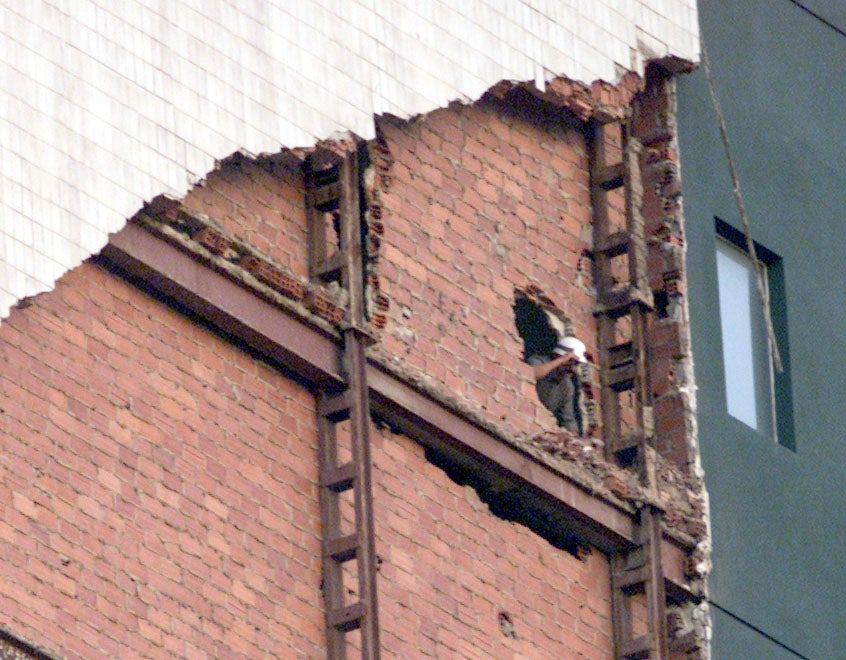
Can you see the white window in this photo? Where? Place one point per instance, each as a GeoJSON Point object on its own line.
{"type": "Point", "coordinates": [746, 351]}
{"type": "Point", "coordinates": [756, 394]}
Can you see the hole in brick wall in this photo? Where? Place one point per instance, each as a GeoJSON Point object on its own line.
{"type": "Point", "coordinates": [548, 341]}
{"type": "Point", "coordinates": [506, 624]}
{"type": "Point", "coordinates": [627, 457]}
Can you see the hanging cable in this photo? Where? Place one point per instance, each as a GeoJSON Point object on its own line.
{"type": "Point", "coordinates": [822, 20]}
{"type": "Point", "coordinates": [760, 268]}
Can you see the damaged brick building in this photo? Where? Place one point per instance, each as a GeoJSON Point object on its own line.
{"type": "Point", "coordinates": [287, 414]}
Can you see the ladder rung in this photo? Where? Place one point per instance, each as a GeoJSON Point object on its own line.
{"type": "Point", "coordinates": [622, 378]}
{"type": "Point", "coordinates": [687, 643]}
{"type": "Point", "coordinates": [328, 267]}
{"type": "Point", "coordinates": [624, 442]}
{"type": "Point", "coordinates": [343, 548]}
{"type": "Point", "coordinates": [340, 478]}
{"type": "Point", "coordinates": [634, 558]}
{"type": "Point", "coordinates": [334, 407]}
{"type": "Point", "coordinates": [637, 648]}
{"type": "Point", "coordinates": [346, 618]}
{"type": "Point", "coordinates": [635, 577]}
{"type": "Point", "coordinates": [610, 176]}
{"type": "Point", "coordinates": [615, 244]}
{"type": "Point", "coordinates": [618, 302]}
{"type": "Point", "coordinates": [620, 355]}
{"type": "Point", "coordinates": [324, 198]}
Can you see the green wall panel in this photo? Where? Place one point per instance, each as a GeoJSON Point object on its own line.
{"type": "Point", "coordinates": [778, 516]}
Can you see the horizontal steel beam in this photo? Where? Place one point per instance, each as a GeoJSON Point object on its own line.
{"type": "Point", "coordinates": [433, 424]}
{"type": "Point", "coordinates": [226, 305]}
{"type": "Point", "coordinates": [315, 356]}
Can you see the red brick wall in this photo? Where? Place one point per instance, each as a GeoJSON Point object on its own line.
{"type": "Point", "coordinates": [157, 485]}
{"type": "Point", "coordinates": [483, 199]}
{"type": "Point", "coordinates": [449, 567]}
{"type": "Point", "coordinates": [158, 498]}
{"type": "Point", "coordinates": [262, 209]}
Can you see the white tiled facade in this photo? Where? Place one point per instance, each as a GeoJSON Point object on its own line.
{"type": "Point", "coordinates": [108, 103]}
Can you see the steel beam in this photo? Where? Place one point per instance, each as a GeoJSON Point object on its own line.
{"type": "Point", "coordinates": [226, 305]}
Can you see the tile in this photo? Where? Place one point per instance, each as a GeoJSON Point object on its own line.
{"type": "Point", "coordinates": [152, 96]}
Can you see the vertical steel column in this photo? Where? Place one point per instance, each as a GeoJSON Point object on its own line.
{"type": "Point", "coordinates": [334, 407]}
{"type": "Point", "coordinates": [639, 283]}
{"type": "Point", "coordinates": [355, 339]}
{"type": "Point", "coordinates": [623, 368]}
{"type": "Point", "coordinates": [656, 599]}
{"type": "Point", "coordinates": [599, 186]}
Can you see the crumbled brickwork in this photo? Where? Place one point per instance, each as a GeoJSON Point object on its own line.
{"type": "Point", "coordinates": [461, 206]}
{"type": "Point", "coordinates": [447, 247]}
{"type": "Point", "coordinates": [158, 485]}
{"type": "Point", "coordinates": [207, 241]}
{"type": "Point", "coordinates": [670, 358]}
{"type": "Point", "coordinates": [450, 568]}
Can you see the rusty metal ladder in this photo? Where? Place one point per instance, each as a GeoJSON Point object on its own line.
{"type": "Point", "coordinates": [335, 190]}
{"type": "Point", "coordinates": [622, 363]}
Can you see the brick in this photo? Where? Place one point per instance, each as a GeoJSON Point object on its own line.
{"type": "Point", "coordinates": [284, 283]}
{"type": "Point", "coordinates": [666, 340]}
{"type": "Point", "coordinates": [23, 504]}
{"type": "Point", "coordinates": [90, 512]}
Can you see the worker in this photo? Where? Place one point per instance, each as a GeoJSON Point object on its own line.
{"type": "Point", "coordinates": [558, 382]}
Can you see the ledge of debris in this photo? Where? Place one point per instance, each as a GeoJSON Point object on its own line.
{"type": "Point", "coordinates": [581, 460]}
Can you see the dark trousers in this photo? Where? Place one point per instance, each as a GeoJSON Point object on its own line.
{"type": "Point", "coordinates": [558, 392]}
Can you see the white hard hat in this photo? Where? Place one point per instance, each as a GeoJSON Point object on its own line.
{"type": "Point", "coordinates": [572, 345]}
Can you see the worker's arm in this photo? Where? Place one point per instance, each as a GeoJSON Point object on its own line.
{"type": "Point", "coordinates": [543, 370]}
